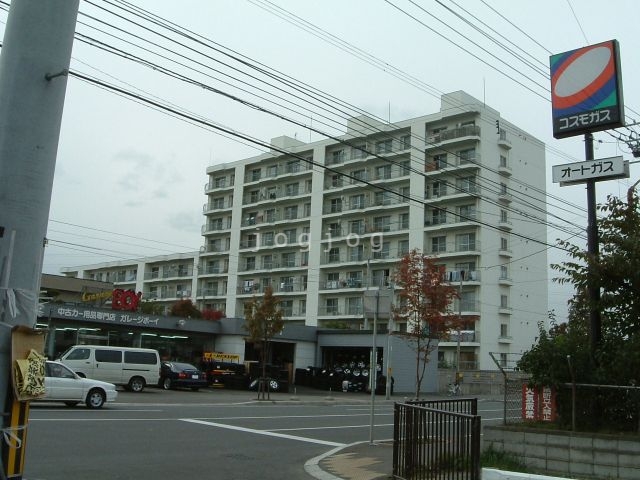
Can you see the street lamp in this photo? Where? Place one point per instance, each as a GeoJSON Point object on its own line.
{"type": "Point", "coordinates": [457, 382]}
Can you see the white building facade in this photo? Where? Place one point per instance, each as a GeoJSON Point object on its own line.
{"type": "Point", "coordinates": [323, 222]}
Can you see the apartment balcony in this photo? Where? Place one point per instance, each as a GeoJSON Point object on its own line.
{"type": "Point", "coordinates": [454, 163]}
{"type": "Point", "coordinates": [216, 186]}
{"type": "Point", "coordinates": [504, 310]}
{"type": "Point", "coordinates": [505, 252]}
{"type": "Point", "coordinates": [450, 136]}
{"type": "Point", "coordinates": [505, 224]}
{"type": "Point", "coordinates": [505, 280]}
{"type": "Point", "coordinates": [211, 292]}
{"type": "Point", "coordinates": [212, 207]}
{"type": "Point", "coordinates": [504, 169]}
{"type": "Point", "coordinates": [451, 192]}
{"type": "Point", "coordinates": [454, 276]}
{"type": "Point", "coordinates": [505, 339]}
{"type": "Point", "coordinates": [354, 206]}
{"type": "Point", "coordinates": [466, 307]}
{"type": "Point", "coordinates": [503, 141]}
{"type": "Point", "coordinates": [280, 193]}
{"type": "Point", "coordinates": [451, 220]}
{"type": "Point", "coordinates": [214, 270]}
{"type": "Point", "coordinates": [467, 338]}
{"type": "Point", "coordinates": [349, 311]}
{"type": "Point", "coordinates": [206, 249]}
{"type": "Point", "coordinates": [505, 197]}
{"type": "Point", "coordinates": [212, 229]}
{"type": "Point", "coordinates": [468, 248]}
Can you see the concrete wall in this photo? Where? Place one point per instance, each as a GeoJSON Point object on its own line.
{"type": "Point", "coordinates": [584, 456]}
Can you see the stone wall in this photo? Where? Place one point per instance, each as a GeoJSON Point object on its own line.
{"type": "Point", "coordinates": [581, 455]}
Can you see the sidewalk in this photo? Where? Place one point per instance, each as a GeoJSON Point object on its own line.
{"type": "Point", "coordinates": [358, 461]}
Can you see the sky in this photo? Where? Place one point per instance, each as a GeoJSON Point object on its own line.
{"type": "Point", "coordinates": [129, 179]}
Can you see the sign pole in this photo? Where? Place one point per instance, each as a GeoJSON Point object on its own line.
{"type": "Point", "coordinates": [593, 250]}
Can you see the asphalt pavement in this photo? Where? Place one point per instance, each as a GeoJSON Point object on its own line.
{"type": "Point", "coordinates": [357, 461]}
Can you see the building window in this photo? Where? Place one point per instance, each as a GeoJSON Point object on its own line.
{"type": "Point", "coordinates": [255, 174]}
{"type": "Point", "coordinates": [334, 255]}
{"type": "Point", "coordinates": [503, 161]}
{"type": "Point", "coordinates": [439, 189]}
{"type": "Point", "coordinates": [383, 252]}
{"type": "Point", "coordinates": [288, 259]}
{"type": "Point", "coordinates": [438, 244]}
{"type": "Point", "coordinates": [466, 213]}
{"type": "Point", "coordinates": [286, 284]}
{"type": "Point", "coordinates": [467, 184]}
{"type": "Point", "coordinates": [291, 235]}
{"type": "Point", "coordinates": [357, 227]}
{"type": "Point", "coordinates": [336, 205]}
{"type": "Point", "coordinates": [504, 272]}
{"type": "Point", "coordinates": [403, 247]}
{"type": "Point", "coordinates": [357, 201]}
{"type": "Point", "coordinates": [383, 172]}
{"type": "Point", "coordinates": [384, 146]}
{"type": "Point", "coordinates": [331, 306]}
{"type": "Point", "coordinates": [382, 224]}
{"type": "Point", "coordinates": [465, 241]}
{"type": "Point", "coordinates": [359, 175]}
{"type": "Point", "coordinates": [467, 156]}
{"type": "Point", "coordinates": [356, 254]}
{"type": "Point", "coordinates": [250, 263]}
{"type": "Point", "coordinates": [438, 216]}
{"type": "Point", "coordinates": [292, 166]}
{"type": "Point", "coordinates": [267, 262]}
{"type": "Point", "coordinates": [504, 244]}
{"type": "Point", "coordinates": [291, 213]}
{"type": "Point", "coordinates": [382, 198]}
{"type": "Point", "coordinates": [287, 307]}
{"type": "Point", "coordinates": [404, 221]}
{"type": "Point", "coordinates": [219, 182]}
{"type": "Point", "coordinates": [504, 301]}
{"type": "Point", "coordinates": [440, 161]}
{"type": "Point", "coordinates": [272, 171]}
{"type": "Point", "coordinates": [359, 151]}
{"type": "Point", "coordinates": [337, 156]}
{"type": "Point", "coordinates": [354, 306]}
{"type": "Point", "coordinates": [292, 189]}
{"type": "Point", "coordinates": [503, 216]}
{"type": "Point", "coordinates": [503, 188]}
{"type": "Point", "coordinates": [405, 142]}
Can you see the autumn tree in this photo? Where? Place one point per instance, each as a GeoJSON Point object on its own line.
{"type": "Point", "coordinates": [263, 320]}
{"type": "Point", "coordinates": [185, 309]}
{"type": "Point", "coordinates": [425, 299]}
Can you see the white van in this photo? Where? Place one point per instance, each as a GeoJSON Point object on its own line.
{"type": "Point", "coordinates": [130, 367]}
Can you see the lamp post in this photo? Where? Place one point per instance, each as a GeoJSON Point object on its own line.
{"type": "Point", "coordinates": [457, 382]}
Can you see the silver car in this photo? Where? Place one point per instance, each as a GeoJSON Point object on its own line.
{"type": "Point", "coordinates": [63, 385]}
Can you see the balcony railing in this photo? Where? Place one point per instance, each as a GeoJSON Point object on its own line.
{"type": "Point", "coordinates": [453, 134]}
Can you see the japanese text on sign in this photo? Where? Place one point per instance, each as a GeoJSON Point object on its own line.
{"type": "Point", "coordinates": [582, 171]}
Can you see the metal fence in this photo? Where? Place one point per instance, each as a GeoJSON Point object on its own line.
{"type": "Point", "coordinates": [436, 439]}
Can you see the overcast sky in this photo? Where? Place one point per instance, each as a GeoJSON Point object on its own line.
{"type": "Point", "coordinates": [130, 179]}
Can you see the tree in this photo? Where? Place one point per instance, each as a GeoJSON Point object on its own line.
{"type": "Point", "coordinates": [617, 358]}
{"type": "Point", "coordinates": [617, 268]}
{"type": "Point", "coordinates": [263, 320]}
{"type": "Point", "coordinates": [185, 309]}
{"type": "Point", "coordinates": [425, 298]}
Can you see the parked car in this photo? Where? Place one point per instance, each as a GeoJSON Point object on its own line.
{"type": "Point", "coordinates": [61, 384]}
{"type": "Point", "coordinates": [185, 375]}
{"type": "Point", "coordinates": [133, 368]}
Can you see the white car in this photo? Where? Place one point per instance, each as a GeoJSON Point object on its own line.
{"type": "Point", "coordinates": [61, 384]}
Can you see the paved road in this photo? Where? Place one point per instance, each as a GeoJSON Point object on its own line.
{"type": "Point", "coordinates": [207, 434]}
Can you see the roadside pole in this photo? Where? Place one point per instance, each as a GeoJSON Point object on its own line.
{"type": "Point", "coordinates": [34, 63]}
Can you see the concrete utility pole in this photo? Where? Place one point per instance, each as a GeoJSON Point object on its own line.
{"type": "Point", "coordinates": [34, 63]}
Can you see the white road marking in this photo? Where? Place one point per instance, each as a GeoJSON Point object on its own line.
{"type": "Point", "coordinates": [263, 432]}
{"type": "Point", "coordinates": [329, 428]}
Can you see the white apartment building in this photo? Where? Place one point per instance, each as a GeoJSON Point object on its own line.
{"type": "Point", "coordinates": [323, 222]}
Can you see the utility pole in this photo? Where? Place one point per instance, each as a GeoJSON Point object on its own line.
{"type": "Point", "coordinates": [34, 64]}
{"type": "Point", "coordinates": [457, 382]}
